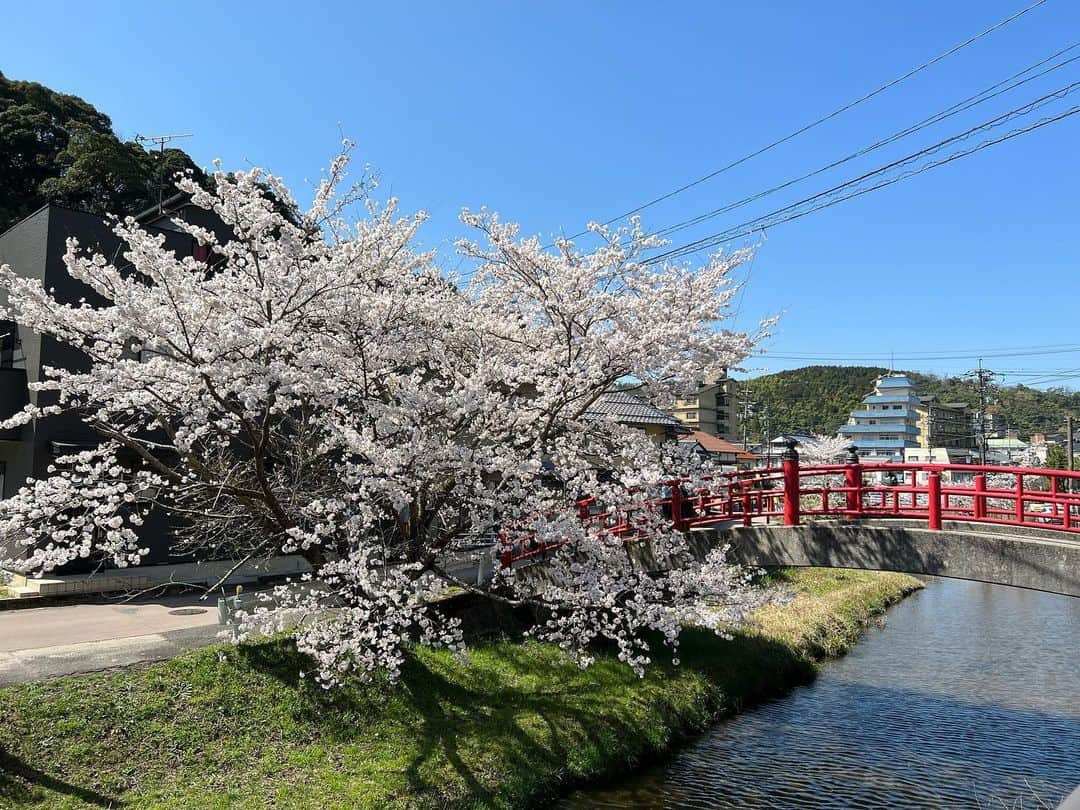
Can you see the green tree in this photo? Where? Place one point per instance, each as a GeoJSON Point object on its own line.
{"type": "Point", "coordinates": [58, 148]}
{"type": "Point", "coordinates": [1057, 458]}
{"type": "Point", "coordinates": [818, 399]}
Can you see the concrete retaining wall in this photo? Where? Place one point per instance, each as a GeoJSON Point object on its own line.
{"type": "Point", "coordinates": [1001, 555]}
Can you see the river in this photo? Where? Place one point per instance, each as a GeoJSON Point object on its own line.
{"type": "Point", "coordinates": [969, 696]}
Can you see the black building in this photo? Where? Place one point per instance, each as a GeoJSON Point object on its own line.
{"type": "Point", "coordinates": [34, 248]}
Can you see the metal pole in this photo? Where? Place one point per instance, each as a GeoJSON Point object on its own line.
{"type": "Point", "coordinates": [982, 416]}
{"type": "Point", "coordinates": [746, 417]}
{"type": "Point", "coordinates": [768, 439]}
{"type": "Point", "coordinates": [1069, 448]}
{"type": "Point", "coordinates": [1069, 443]}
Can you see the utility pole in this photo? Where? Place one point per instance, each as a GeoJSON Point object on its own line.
{"type": "Point", "coordinates": [768, 437]}
{"type": "Point", "coordinates": [1069, 443]}
{"type": "Point", "coordinates": [748, 408]}
{"type": "Point", "coordinates": [161, 140]}
{"type": "Point", "coordinates": [981, 379]}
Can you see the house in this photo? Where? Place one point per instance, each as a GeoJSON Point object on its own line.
{"type": "Point", "coordinates": [632, 411]}
{"type": "Point", "coordinates": [1005, 451]}
{"type": "Point", "coordinates": [940, 455]}
{"type": "Point", "coordinates": [718, 450]}
{"type": "Point", "coordinates": [34, 248]}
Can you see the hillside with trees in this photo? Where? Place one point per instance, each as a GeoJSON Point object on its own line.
{"type": "Point", "coordinates": [59, 148]}
{"type": "Point", "coordinates": [818, 399]}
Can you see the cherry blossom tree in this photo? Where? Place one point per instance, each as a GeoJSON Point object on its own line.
{"type": "Point", "coordinates": [821, 449]}
{"type": "Point", "coordinates": [322, 388]}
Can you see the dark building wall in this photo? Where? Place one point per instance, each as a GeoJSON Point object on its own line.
{"type": "Point", "coordinates": [35, 248]}
{"type": "Point", "coordinates": [24, 247]}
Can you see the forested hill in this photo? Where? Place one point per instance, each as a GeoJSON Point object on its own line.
{"type": "Point", "coordinates": [819, 398]}
{"type": "Point", "coordinates": [58, 148]}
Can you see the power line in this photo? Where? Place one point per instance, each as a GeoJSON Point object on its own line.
{"type": "Point", "coordinates": [766, 221]}
{"type": "Point", "coordinates": [915, 358]}
{"type": "Point", "coordinates": [763, 221]}
{"type": "Point", "coordinates": [824, 118]}
{"type": "Point", "coordinates": [968, 103]}
{"type": "Point", "coordinates": [974, 352]}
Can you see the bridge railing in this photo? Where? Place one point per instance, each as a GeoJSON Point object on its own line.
{"type": "Point", "coordinates": [1014, 496]}
{"type": "Point", "coordinates": [1019, 496]}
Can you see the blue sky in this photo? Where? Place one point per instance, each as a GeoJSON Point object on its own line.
{"type": "Point", "coordinates": [559, 112]}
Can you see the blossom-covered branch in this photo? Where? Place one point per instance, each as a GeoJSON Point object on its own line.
{"type": "Point", "coordinates": [322, 388]}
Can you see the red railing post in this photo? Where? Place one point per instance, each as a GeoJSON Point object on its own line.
{"type": "Point", "coordinates": [507, 557]}
{"type": "Point", "coordinates": [853, 484]}
{"type": "Point", "coordinates": [746, 503]}
{"type": "Point", "coordinates": [933, 495]}
{"type": "Point", "coordinates": [676, 507]}
{"type": "Point", "coordinates": [979, 508]}
{"type": "Point", "coordinates": [791, 485]}
{"type": "Point", "coordinates": [1019, 497]}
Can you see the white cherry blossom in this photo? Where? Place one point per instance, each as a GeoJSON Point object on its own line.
{"type": "Point", "coordinates": [323, 388]}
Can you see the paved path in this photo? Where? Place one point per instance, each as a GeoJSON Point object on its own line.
{"type": "Point", "coordinates": [48, 642]}
{"type": "Point", "coordinates": [40, 643]}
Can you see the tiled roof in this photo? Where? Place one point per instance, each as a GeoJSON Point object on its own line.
{"type": "Point", "coordinates": [798, 438]}
{"type": "Point", "coordinates": [714, 444]}
{"type": "Point", "coordinates": [895, 381]}
{"type": "Point", "coordinates": [1006, 444]}
{"type": "Point", "coordinates": [629, 410]}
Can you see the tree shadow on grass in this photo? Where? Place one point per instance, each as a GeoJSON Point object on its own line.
{"type": "Point", "coordinates": [521, 723]}
{"type": "Point", "coordinates": [546, 731]}
{"type": "Point", "coordinates": [534, 731]}
{"type": "Point", "coordinates": [17, 780]}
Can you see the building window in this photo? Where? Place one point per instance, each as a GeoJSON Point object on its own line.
{"type": "Point", "coordinates": [691, 416]}
{"type": "Point", "coordinates": [11, 355]}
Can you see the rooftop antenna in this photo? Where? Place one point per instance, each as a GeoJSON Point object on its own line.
{"type": "Point", "coordinates": [161, 140]}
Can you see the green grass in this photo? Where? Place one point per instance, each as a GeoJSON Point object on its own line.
{"type": "Point", "coordinates": [238, 727]}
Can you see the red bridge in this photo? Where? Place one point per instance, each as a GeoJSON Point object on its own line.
{"type": "Point", "coordinates": [1015, 525]}
{"type": "Point", "coordinates": [1009, 496]}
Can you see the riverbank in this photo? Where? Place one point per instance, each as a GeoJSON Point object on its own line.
{"type": "Point", "coordinates": [239, 727]}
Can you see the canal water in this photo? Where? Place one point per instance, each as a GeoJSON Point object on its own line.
{"type": "Point", "coordinates": [969, 696]}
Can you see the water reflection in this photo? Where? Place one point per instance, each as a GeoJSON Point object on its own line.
{"type": "Point", "coordinates": [970, 696]}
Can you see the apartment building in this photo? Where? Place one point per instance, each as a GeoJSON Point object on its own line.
{"type": "Point", "coordinates": [945, 424]}
{"type": "Point", "coordinates": [713, 408]}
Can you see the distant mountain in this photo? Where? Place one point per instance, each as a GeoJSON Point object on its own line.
{"type": "Point", "coordinates": [818, 399]}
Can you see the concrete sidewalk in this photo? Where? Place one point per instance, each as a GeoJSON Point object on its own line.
{"type": "Point", "coordinates": [47, 642]}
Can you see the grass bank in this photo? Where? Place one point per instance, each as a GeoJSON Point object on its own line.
{"type": "Point", "coordinates": [238, 727]}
